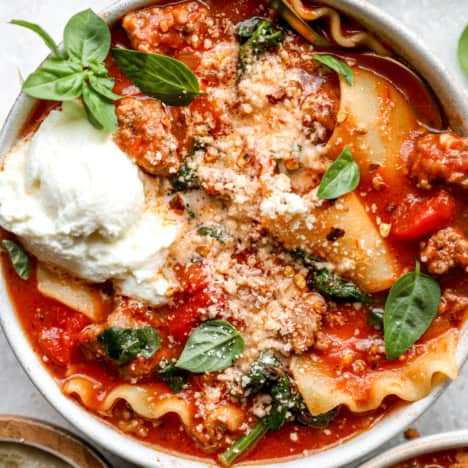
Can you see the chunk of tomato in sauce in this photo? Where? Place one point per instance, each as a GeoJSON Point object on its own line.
{"type": "Point", "coordinates": [57, 329]}
{"type": "Point", "coordinates": [418, 216]}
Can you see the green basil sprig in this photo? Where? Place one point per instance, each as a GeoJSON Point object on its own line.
{"type": "Point", "coordinates": [158, 76]}
{"type": "Point", "coordinates": [19, 258]}
{"type": "Point", "coordinates": [338, 66]}
{"type": "Point", "coordinates": [342, 177]}
{"type": "Point", "coordinates": [463, 50]}
{"type": "Point", "coordinates": [213, 346]}
{"type": "Point", "coordinates": [123, 344]}
{"type": "Point", "coordinates": [410, 308]}
{"type": "Point", "coordinates": [80, 72]}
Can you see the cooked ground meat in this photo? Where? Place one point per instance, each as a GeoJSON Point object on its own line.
{"type": "Point", "coordinates": [454, 303]}
{"type": "Point", "coordinates": [168, 29]}
{"type": "Point", "coordinates": [442, 157]}
{"type": "Point", "coordinates": [446, 249]}
{"type": "Point", "coordinates": [145, 134]}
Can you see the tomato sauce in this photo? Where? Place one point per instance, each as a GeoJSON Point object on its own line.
{"type": "Point", "coordinates": [52, 328]}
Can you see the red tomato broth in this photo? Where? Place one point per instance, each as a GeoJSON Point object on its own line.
{"type": "Point", "coordinates": [168, 434]}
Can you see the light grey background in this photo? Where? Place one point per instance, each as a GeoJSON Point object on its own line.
{"type": "Point", "coordinates": [438, 22]}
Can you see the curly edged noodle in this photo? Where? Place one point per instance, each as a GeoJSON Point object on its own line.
{"type": "Point", "coordinates": [411, 381]}
{"type": "Point", "coordinates": [374, 120]}
{"type": "Point", "coordinates": [348, 41]}
{"type": "Point", "coordinates": [151, 402]}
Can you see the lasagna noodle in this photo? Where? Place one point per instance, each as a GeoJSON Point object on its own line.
{"type": "Point", "coordinates": [145, 400]}
{"type": "Point", "coordinates": [372, 265]}
{"type": "Point", "coordinates": [411, 381]}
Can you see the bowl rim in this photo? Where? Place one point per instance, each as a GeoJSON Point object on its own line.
{"type": "Point", "coordinates": [420, 446]}
{"type": "Point", "coordinates": [455, 104]}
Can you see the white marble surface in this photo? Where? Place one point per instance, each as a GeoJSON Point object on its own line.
{"type": "Point", "coordinates": [438, 22]}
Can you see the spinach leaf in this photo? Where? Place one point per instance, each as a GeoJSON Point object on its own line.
{"type": "Point", "coordinates": [158, 76]}
{"type": "Point", "coordinates": [87, 37]}
{"type": "Point", "coordinates": [259, 35]}
{"type": "Point", "coordinates": [339, 66]}
{"type": "Point", "coordinates": [463, 50]}
{"type": "Point", "coordinates": [123, 344]}
{"type": "Point", "coordinates": [100, 110]}
{"type": "Point", "coordinates": [239, 447]}
{"type": "Point", "coordinates": [18, 257]}
{"type": "Point", "coordinates": [213, 346]}
{"type": "Point", "coordinates": [341, 177]}
{"type": "Point", "coordinates": [56, 80]}
{"type": "Point", "coordinates": [304, 417]}
{"type": "Point", "coordinates": [332, 285]}
{"type": "Point", "coordinates": [410, 308]}
{"type": "Point", "coordinates": [215, 232]}
{"type": "Point", "coordinates": [307, 259]}
{"type": "Point", "coordinates": [49, 42]}
{"type": "Point", "coordinates": [266, 369]}
{"type": "Point", "coordinates": [174, 378]}
{"type": "Point", "coordinates": [281, 401]}
{"type": "Point", "coordinates": [375, 317]}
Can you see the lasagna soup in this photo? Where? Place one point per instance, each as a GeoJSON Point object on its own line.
{"type": "Point", "coordinates": [268, 252]}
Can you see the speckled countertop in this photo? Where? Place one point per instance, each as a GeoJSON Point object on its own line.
{"type": "Point", "coordinates": [438, 22]}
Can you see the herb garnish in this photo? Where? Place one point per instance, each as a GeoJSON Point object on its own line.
{"type": "Point", "coordinates": [80, 72]}
{"type": "Point", "coordinates": [187, 177]}
{"type": "Point", "coordinates": [338, 66]}
{"type": "Point", "coordinates": [463, 50]}
{"type": "Point", "coordinates": [410, 308]}
{"type": "Point", "coordinates": [174, 378]}
{"type": "Point", "coordinates": [215, 232]}
{"type": "Point", "coordinates": [213, 346]}
{"type": "Point", "coordinates": [158, 76]}
{"type": "Point", "coordinates": [341, 177]}
{"type": "Point", "coordinates": [18, 257]}
{"type": "Point", "coordinates": [123, 344]}
{"type": "Point", "coordinates": [257, 35]}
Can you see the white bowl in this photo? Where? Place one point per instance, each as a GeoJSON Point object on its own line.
{"type": "Point", "coordinates": [456, 109]}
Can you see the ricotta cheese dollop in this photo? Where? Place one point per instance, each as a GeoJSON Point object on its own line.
{"type": "Point", "coordinates": [76, 201]}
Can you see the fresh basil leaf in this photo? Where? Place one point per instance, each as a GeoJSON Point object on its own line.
{"type": "Point", "coordinates": [213, 346]}
{"type": "Point", "coordinates": [50, 43]}
{"type": "Point", "coordinates": [56, 80]}
{"type": "Point", "coordinates": [18, 257]}
{"type": "Point", "coordinates": [410, 308]}
{"type": "Point", "coordinates": [101, 111]}
{"type": "Point", "coordinates": [158, 76]}
{"type": "Point", "coordinates": [304, 417]}
{"type": "Point", "coordinates": [103, 86]}
{"type": "Point", "coordinates": [332, 285]}
{"type": "Point", "coordinates": [340, 67]}
{"type": "Point", "coordinates": [215, 232]}
{"type": "Point", "coordinates": [124, 344]}
{"type": "Point", "coordinates": [342, 177]}
{"type": "Point", "coordinates": [174, 378]}
{"type": "Point", "coordinates": [87, 37]}
{"type": "Point", "coordinates": [463, 50]}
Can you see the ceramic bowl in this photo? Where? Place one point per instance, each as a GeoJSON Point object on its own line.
{"type": "Point", "coordinates": [417, 447]}
{"type": "Point", "coordinates": [455, 105]}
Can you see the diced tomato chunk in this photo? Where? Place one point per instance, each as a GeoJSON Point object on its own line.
{"type": "Point", "coordinates": [416, 217]}
{"type": "Point", "coordinates": [191, 277]}
{"type": "Point", "coordinates": [57, 329]}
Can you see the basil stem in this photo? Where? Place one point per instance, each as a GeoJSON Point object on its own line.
{"type": "Point", "coordinates": [341, 177]}
{"type": "Point", "coordinates": [410, 308]}
{"type": "Point", "coordinates": [44, 35]}
{"type": "Point", "coordinates": [243, 444]}
{"type": "Point", "coordinates": [338, 66]}
{"type": "Point", "coordinates": [463, 50]}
